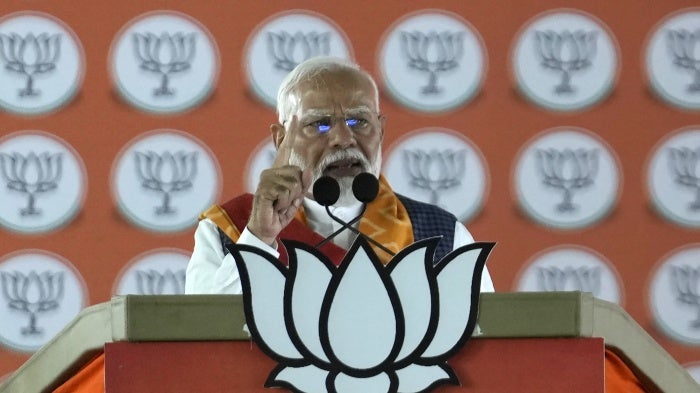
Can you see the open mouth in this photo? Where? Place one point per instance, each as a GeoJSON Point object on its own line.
{"type": "Point", "coordinates": [344, 167]}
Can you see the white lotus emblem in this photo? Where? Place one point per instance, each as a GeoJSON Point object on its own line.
{"type": "Point", "coordinates": [362, 326]}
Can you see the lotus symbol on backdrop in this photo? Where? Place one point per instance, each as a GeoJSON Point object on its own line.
{"type": "Point", "coordinates": [585, 279]}
{"type": "Point", "coordinates": [684, 47]}
{"type": "Point", "coordinates": [432, 53]}
{"type": "Point", "coordinates": [361, 326]}
{"type": "Point", "coordinates": [567, 170]}
{"type": "Point", "coordinates": [31, 175]}
{"type": "Point", "coordinates": [435, 171]}
{"type": "Point", "coordinates": [685, 165]}
{"type": "Point", "coordinates": [166, 174]}
{"type": "Point", "coordinates": [566, 53]}
{"type": "Point", "coordinates": [30, 56]}
{"type": "Point", "coordinates": [686, 285]}
{"type": "Point", "coordinates": [154, 282]}
{"type": "Point", "coordinates": [164, 55]}
{"type": "Point", "coordinates": [288, 50]}
{"type": "Point", "coordinates": [32, 294]}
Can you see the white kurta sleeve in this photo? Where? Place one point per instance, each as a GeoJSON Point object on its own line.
{"type": "Point", "coordinates": [463, 237]}
{"type": "Point", "coordinates": [209, 271]}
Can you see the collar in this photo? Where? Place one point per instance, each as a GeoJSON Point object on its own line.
{"type": "Point", "coordinates": [317, 213]}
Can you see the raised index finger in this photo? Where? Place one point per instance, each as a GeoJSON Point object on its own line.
{"type": "Point", "coordinates": [284, 150]}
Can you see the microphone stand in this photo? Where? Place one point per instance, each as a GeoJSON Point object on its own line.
{"type": "Point", "coordinates": [348, 225]}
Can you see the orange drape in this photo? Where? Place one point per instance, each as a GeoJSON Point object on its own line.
{"type": "Point", "coordinates": [618, 376]}
{"type": "Point", "coordinates": [90, 379]}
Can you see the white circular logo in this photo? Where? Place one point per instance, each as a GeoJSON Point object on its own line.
{"type": "Point", "coordinates": [156, 272]}
{"type": "Point", "coordinates": [675, 294]}
{"type": "Point", "coordinates": [41, 63]}
{"type": "Point", "coordinates": [432, 61]}
{"type": "Point", "coordinates": [41, 292]}
{"type": "Point", "coordinates": [286, 39]}
{"type": "Point", "coordinates": [571, 268]}
{"type": "Point", "coordinates": [567, 178]}
{"type": "Point", "coordinates": [441, 167]}
{"type": "Point", "coordinates": [163, 179]}
{"type": "Point", "coordinates": [673, 59]}
{"type": "Point", "coordinates": [164, 62]}
{"type": "Point", "coordinates": [42, 182]}
{"type": "Point", "coordinates": [694, 370]}
{"type": "Point", "coordinates": [674, 177]}
{"type": "Point", "coordinates": [262, 158]}
{"type": "Point", "coordinates": [565, 60]}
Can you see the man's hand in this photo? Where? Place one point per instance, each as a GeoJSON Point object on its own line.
{"type": "Point", "coordinates": [280, 192]}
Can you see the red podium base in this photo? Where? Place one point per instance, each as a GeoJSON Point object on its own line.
{"type": "Point", "coordinates": [571, 365]}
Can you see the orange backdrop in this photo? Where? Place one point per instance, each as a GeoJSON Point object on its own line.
{"type": "Point", "coordinates": [232, 122]}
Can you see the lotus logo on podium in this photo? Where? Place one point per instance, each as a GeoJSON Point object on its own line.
{"type": "Point", "coordinates": [362, 326]}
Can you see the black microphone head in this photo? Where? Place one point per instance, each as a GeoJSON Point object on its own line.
{"type": "Point", "coordinates": [365, 187]}
{"type": "Point", "coordinates": [326, 191]}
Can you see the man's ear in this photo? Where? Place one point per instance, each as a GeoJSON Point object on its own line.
{"type": "Point", "coordinates": [278, 133]}
{"type": "Point", "coordinates": [382, 123]}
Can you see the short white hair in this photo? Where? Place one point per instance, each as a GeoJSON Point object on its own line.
{"type": "Point", "coordinates": [309, 69]}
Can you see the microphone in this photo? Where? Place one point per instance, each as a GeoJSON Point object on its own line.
{"type": "Point", "coordinates": [365, 188]}
{"type": "Point", "coordinates": [326, 191]}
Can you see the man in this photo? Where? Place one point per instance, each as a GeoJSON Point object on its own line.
{"type": "Point", "coordinates": [329, 125]}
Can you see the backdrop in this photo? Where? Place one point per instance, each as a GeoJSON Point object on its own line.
{"type": "Point", "coordinates": [566, 131]}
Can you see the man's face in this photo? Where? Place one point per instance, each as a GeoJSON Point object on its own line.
{"type": "Point", "coordinates": [335, 127]}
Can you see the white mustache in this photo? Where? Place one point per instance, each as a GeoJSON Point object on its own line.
{"type": "Point", "coordinates": [342, 155]}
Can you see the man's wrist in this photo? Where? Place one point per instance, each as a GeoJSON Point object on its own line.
{"type": "Point", "coordinates": [271, 242]}
{"type": "Point", "coordinates": [249, 238]}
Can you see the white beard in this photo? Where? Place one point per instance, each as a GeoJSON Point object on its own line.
{"type": "Point", "coordinates": [347, 198]}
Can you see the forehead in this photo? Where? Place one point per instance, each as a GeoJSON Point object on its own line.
{"type": "Point", "coordinates": [331, 91]}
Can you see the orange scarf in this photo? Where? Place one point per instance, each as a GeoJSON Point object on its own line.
{"type": "Point", "coordinates": [385, 220]}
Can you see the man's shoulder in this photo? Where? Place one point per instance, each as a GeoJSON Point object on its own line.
{"type": "Point", "coordinates": [235, 211]}
{"type": "Point", "coordinates": [415, 207]}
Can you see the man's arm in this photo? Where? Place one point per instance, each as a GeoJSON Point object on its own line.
{"type": "Point", "coordinates": [209, 271]}
{"type": "Point", "coordinates": [281, 188]}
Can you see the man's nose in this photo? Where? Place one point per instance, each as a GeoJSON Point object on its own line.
{"type": "Point", "coordinates": [341, 135]}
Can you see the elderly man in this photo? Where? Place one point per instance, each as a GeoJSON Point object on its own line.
{"type": "Point", "coordinates": [329, 125]}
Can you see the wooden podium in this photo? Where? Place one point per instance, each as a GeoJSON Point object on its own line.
{"type": "Point", "coordinates": [527, 342]}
